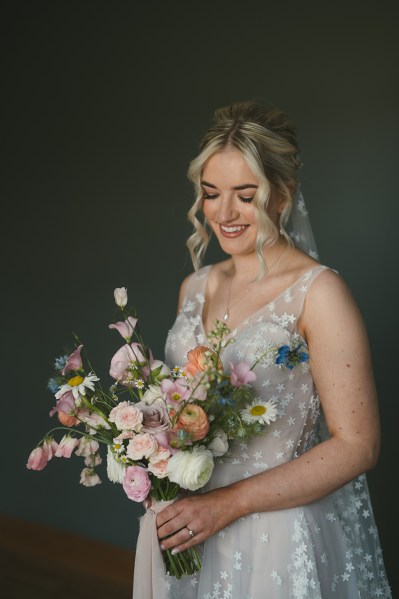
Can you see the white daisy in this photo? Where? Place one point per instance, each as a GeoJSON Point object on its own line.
{"type": "Point", "coordinates": [78, 385]}
{"type": "Point", "coordinates": [260, 411]}
{"type": "Point", "coordinates": [139, 383]}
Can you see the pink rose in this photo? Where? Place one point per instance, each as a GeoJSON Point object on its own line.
{"type": "Point", "coordinates": [66, 446]}
{"type": "Point", "coordinates": [158, 463]}
{"type": "Point", "coordinates": [38, 459]}
{"type": "Point", "coordinates": [155, 417]}
{"type": "Point", "coordinates": [136, 483]}
{"type": "Point", "coordinates": [74, 361]}
{"type": "Point", "coordinates": [160, 455]}
{"type": "Point", "coordinates": [141, 446]}
{"type": "Point", "coordinates": [126, 417]}
{"type": "Point", "coordinates": [159, 469]}
{"type": "Point", "coordinates": [241, 374]}
{"type": "Point", "coordinates": [125, 328]}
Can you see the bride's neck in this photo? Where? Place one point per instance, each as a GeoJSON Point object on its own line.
{"type": "Point", "coordinates": [246, 267]}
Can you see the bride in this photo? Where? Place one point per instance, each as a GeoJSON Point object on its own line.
{"type": "Point", "coordinates": [288, 514]}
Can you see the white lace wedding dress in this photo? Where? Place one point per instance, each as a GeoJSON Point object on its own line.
{"type": "Point", "coordinates": [328, 549]}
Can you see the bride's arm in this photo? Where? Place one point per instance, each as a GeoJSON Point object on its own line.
{"type": "Point", "coordinates": [342, 371]}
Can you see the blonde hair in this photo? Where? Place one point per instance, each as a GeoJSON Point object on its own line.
{"type": "Point", "coordinates": [267, 140]}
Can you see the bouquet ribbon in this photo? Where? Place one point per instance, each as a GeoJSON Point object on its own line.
{"type": "Point", "coordinates": [149, 579]}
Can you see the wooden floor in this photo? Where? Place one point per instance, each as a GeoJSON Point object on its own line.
{"type": "Point", "coordinates": [37, 562]}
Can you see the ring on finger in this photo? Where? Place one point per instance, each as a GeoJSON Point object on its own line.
{"type": "Point", "coordinates": [190, 532]}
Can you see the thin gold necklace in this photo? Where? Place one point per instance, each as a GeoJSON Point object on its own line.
{"type": "Point", "coordinates": [229, 307]}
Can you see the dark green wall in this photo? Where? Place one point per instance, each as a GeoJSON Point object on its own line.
{"type": "Point", "coordinates": [104, 104]}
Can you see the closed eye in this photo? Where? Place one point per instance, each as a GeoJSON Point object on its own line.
{"type": "Point", "coordinates": [246, 200]}
{"type": "Point", "coordinates": [209, 196]}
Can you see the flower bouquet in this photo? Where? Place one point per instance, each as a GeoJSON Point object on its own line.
{"type": "Point", "coordinates": [162, 427]}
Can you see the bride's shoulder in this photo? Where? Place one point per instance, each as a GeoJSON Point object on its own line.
{"type": "Point", "coordinates": [198, 277]}
{"type": "Point", "coordinates": [328, 296]}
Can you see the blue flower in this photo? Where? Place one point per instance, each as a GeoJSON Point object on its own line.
{"type": "Point", "coordinates": [52, 386]}
{"type": "Point", "coordinates": [60, 362]}
{"type": "Point", "coordinates": [226, 401]}
{"type": "Point", "coordinates": [291, 356]}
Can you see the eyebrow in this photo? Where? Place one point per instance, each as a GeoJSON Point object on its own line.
{"type": "Point", "coordinates": [237, 187]}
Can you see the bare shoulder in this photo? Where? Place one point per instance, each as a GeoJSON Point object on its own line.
{"type": "Point", "coordinates": [217, 274]}
{"type": "Point", "coordinates": [330, 305]}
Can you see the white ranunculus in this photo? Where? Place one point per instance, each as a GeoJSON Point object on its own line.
{"type": "Point", "coordinates": [219, 444]}
{"type": "Point", "coordinates": [120, 295]}
{"type": "Point", "coordinates": [115, 470]}
{"type": "Point", "coordinates": [191, 469]}
{"type": "Point", "coordinates": [152, 395]}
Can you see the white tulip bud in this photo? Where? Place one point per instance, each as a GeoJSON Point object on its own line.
{"type": "Point", "coordinates": [120, 295]}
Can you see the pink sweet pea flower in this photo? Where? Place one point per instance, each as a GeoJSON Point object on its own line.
{"type": "Point", "coordinates": [38, 459]}
{"type": "Point", "coordinates": [241, 374]}
{"type": "Point", "coordinates": [176, 391]}
{"type": "Point", "coordinates": [66, 446]}
{"type": "Point", "coordinates": [66, 404]}
{"type": "Point", "coordinates": [125, 328]}
{"type": "Point", "coordinates": [86, 446]}
{"type": "Point", "coordinates": [89, 478]}
{"type": "Point", "coordinates": [50, 447]}
{"type": "Point", "coordinates": [136, 483]}
{"type": "Point", "coordinates": [74, 361]}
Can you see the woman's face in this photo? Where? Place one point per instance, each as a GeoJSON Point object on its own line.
{"type": "Point", "coordinates": [229, 186]}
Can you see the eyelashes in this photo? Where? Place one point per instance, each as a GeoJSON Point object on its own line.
{"type": "Point", "coordinates": [214, 196]}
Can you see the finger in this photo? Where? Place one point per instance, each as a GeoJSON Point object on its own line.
{"type": "Point", "coordinates": [191, 542]}
{"type": "Point", "coordinates": [178, 539]}
{"type": "Point", "coordinates": [168, 513]}
{"type": "Point", "coordinates": [172, 526]}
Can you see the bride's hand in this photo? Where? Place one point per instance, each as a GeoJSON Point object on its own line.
{"type": "Point", "coordinates": [193, 519]}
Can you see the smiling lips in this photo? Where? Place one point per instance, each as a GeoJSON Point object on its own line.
{"type": "Point", "coordinates": [232, 231]}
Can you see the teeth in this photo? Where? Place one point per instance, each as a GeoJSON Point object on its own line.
{"type": "Point", "coordinates": [233, 229]}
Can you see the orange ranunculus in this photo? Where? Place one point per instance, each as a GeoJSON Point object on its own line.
{"type": "Point", "coordinates": [193, 420]}
{"type": "Point", "coordinates": [67, 419]}
{"type": "Point", "coordinates": [197, 361]}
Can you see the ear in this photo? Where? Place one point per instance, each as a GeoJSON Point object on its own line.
{"type": "Point", "coordinates": [280, 205]}
{"type": "Point", "coordinates": [282, 200]}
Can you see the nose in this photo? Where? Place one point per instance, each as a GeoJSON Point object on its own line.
{"type": "Point", "coordinates": [226, 211]}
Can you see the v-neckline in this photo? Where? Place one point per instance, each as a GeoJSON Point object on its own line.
{"type": "Point", "coordinates": [248, 318]}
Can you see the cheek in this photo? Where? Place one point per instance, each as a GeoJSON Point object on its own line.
{"type": "Point", "coordinates": [249, 214]}
{"type": "Point", "coordinates": [208, 209]}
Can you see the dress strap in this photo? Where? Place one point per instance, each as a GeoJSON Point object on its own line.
{"type": "Point", "coordinates": [287, 308]}
{"type": "Point", "coordinates": [196, 285]}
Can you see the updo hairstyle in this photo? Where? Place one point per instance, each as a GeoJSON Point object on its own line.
{"type": "Point", "coordinates": [267, 140]}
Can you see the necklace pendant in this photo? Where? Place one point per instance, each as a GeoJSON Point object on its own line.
{"type": "Point", "coordinates": [226, 316]}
